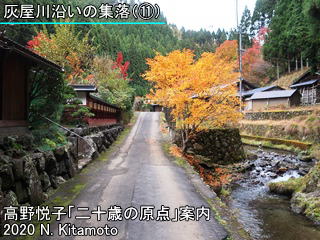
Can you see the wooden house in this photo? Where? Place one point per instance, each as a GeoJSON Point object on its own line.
{"type": "Point", "coordinates": [16, 63]}
{"type": "Point", "coordinates": [273, 99]}
{"type": "Point", "coordinates": [104, 113]}
{"type": "Point", "coordinates": [246, 86]}
{"type": "Point", "coordinates": [309, 87]}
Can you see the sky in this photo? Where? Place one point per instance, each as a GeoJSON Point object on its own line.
{"type": "Point", "coordinates": [207, 14]}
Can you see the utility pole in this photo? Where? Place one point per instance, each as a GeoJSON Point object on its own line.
{"type": "Point", "coordinates": [240, 53]}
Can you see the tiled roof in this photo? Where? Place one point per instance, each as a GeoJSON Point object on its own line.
{"type": "Point", "coordinates": [84, 88]}
{"type": "Point", "coordinates": [256, 90]}
{"type": "Point", "coordinates": [273, 94]}
{"type": "Point", "coordinates": [304, 83]}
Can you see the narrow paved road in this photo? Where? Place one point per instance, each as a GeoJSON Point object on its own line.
{"type": "Point", "coordinates": [140, 174]}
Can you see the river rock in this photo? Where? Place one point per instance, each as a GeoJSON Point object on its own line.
{"type": "Point", "coordinates": [6, 172]}
{"type": "Point", "coordinates": [90, 149]}
{"type": "Point", "coordinates": [53, 181]}
{"type": "Point", "coordinates": [71, 165]}
{"type": "Point", "coordinates": [18, 168]}
{"type": "Point", "coordinates": [306, 159]}
{"type": "Point", "coordinates": [51, 163]}
{"type": "Point", "coordinates": [60, 153]}
{"type": "Point", "coordinates": [10, 199]}
{"type": "Point", "coordinates": [282, 170]}
{"type": "Point", "coordinates": [98, 139]}
{"type": "Point", "coordinates": [39, 161]}
{"type": "Point", "coordinates": [33, 182]}
{"type": "Point", "coordinates": [45, 181]}
{"type": "Point", "coordinates": [60, 180]}
{"type": "Point", "coordinates": [21, 192]}
{"type": "Point", "coordinates": [272, 175]}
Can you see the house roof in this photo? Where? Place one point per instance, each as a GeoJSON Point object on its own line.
{"type": "Point", "coordinates": [273, 94]}
{"type": "Point", "coordinates": [305, 83]}
{"type": "Point", "coordinates": [84, 88]}
{"type": "Point", "coordinates": [303, 77]}
{"type": "Point", "coordinates": [256, 90]}
{"type": "Point", "coordinates": [10, 45]}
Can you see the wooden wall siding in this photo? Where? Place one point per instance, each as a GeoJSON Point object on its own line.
{"type": "Point", "coordinates": [103, 112]}
{"type": "Point", "coordinates": [310, 95]}
{"type": "Point", "coordinates": [14, 94]}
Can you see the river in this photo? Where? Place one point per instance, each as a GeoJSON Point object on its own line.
{"type": "Point", "coordinates": [265, 215]}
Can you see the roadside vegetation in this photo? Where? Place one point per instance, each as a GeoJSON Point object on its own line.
{"type": "Point", "coordinates": [218, 182]}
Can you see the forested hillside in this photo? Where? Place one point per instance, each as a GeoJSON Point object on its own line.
{"type": "Point", "coordinates": [137, 43]}
{"type": "Point", "coordinates": [292, 39]}
{"type": "Point", "coordinates": [289, 33]}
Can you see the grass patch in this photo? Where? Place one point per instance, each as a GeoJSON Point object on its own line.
{"type": "Point", "coordinates": [216, 213]}
{"type": "Point", "coordinates": [270, 145]}
{"type": "Point", "coordinates": [225, 192]}
{"type": "Point", "coordinates": [277, 143]}
{"type": "Point", "coordinates": [315, 151]}
{"type": "Point", "coordinates": [287, 187]}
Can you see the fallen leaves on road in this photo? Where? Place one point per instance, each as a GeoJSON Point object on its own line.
{"type": "Point", "coordinates": [215, 177]}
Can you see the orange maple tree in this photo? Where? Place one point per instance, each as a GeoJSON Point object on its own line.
{"type": "Point", "coordinates": [200, 93]}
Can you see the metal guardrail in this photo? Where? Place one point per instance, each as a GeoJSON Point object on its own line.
{"type": "Point", "coordinates": [71, 132]}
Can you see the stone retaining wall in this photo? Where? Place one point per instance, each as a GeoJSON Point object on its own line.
{"type": "Point", "coordinates": [214, 146]}
{"type": "Point", "coordinates": [276, 115]}
{"type": "Point", "coordinates": [219, 146]}
{"type": "Point", "coordinates": [278, 131]}
{"type": "Point", "coordinates": [26, 173]}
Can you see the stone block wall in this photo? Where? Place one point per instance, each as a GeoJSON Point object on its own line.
{"type": "Point", "coordinates": [27, 173]}
{"type": "Point", "coordinates": [219, 146]}
{"type": "Point", "coordinates": [276, 115]}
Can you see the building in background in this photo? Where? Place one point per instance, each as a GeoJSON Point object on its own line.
{"type": "Point", "coordinates": [104, 113]}
{"type": "Point", "coordinates": [273, 99]}
{"type": "Point", "coordinates": [309, 87]}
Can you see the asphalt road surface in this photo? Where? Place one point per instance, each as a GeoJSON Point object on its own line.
{"type": "Point", "coordinates": [138, 175]}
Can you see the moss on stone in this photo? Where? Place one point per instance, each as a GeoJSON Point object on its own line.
{"type": "Point", "coordinates": [305, 193]}
{"type": "Point", "coordinates": [307, 204]}
{"type": "Point", "coordinates": [287, 187]}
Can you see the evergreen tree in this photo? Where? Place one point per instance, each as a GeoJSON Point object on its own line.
{"type": "Point", "coordinates": [245, 26]}
{"type": "Point", "coordinates": [312, 11]}
{"type": "Point", "coordinates": [289, 36]}
{"type": "Point", "coordinates": [221, 36]}
{"type": "Point", "coordinates": [263, 13]}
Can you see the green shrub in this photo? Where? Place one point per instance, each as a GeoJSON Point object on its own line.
{"type": "Point", "coordinates": [126, 116]}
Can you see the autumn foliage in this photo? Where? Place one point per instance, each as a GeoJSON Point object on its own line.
{"type": "Point", "coordinates": [123, 68]}
{"type": "Point", "coordinates": [37, 40]}
{"type": "Point", "coordinates": [255, 69]}
{"type": "Point", "coordinates": [66, 48]}
{"type": "Point", "coordinates": [201, 93]}
{"type": "Point", "coordinates": [217, 177]}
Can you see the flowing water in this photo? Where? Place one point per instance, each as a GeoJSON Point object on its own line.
{"type": "Point", "coordinates": [265, 215]}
